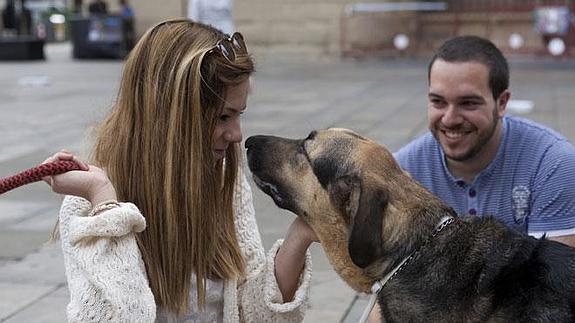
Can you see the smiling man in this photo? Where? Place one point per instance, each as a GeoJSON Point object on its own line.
{"type": "Point", "coordinates": [482, 162]}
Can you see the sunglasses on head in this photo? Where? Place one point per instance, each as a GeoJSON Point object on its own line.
{"type": "Point", "coordinates": [229, 48]}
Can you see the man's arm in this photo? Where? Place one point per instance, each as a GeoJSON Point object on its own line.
{"type": "Point", "coordinates": [553, 195]}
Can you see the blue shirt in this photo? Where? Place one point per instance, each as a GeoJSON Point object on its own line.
{"type": "Point", "coordinates": [529, 185]}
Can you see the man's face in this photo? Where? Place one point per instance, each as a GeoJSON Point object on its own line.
{"type": "Point", "coordinates": [462, 114]}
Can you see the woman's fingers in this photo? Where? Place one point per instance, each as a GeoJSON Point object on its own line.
{"type": "Point", "coordinates": [63, 154]}
{"type": "Point", "coordinates": [48, 180]}
{"type": "Point", "coordinates": [90, 182]}
{"type": "Point", "coordinates": [83, 165]}
{"type": "Point", "coordinates": [303, 230]}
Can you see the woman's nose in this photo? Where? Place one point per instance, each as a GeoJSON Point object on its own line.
{"type": "Point", "coordinates": [234, 132]}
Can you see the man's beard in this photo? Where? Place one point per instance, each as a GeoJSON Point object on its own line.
{"type": "Point", "coordinates": [476, 147]}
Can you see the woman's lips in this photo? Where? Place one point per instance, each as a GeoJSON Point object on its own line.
{"type": "Point", "coordinates": [219, 153]}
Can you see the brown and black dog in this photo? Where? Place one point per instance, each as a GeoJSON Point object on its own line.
{"type": "Point", "coordinates": [370, 215]}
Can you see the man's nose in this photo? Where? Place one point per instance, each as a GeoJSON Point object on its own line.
{"type": "Point", "coordinates": [451, 116]}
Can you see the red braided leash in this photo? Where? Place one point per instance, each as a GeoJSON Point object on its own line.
{"type": "Point", "coordinates": [36, 173]}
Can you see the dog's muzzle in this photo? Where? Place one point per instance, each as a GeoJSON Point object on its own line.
{"type": "Point", "coordinates": [263, 164]}
{"type": "Point", "coordinates": [254, 146]}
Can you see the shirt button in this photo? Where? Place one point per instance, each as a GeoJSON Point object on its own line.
{"type": "Point", "coordinates": [472, 192]}
{"type": "Point", "coordinates": [472, 211]}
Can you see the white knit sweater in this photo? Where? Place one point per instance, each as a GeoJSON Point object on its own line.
{"type": "Point", "coordinates": [107, 279]}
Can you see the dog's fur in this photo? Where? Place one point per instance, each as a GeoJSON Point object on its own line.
{"type": "Point", "coordinates": [369, 215]}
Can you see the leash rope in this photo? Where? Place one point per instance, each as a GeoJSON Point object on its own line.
{"type": "Point", "coordinates": [35, 174]}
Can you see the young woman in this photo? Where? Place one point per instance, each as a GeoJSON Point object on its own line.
{"type": "Point", "coordinates": [182, 245]}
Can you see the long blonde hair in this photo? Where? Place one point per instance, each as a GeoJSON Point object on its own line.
{"type": "Point", "coordinates": [156, 148]}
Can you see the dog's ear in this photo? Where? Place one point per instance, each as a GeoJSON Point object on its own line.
{"type": "Point", "coordinates": [345, 192]}
{"type": "Point", "coordinates": [365, 240]}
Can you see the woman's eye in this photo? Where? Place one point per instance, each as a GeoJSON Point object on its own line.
{"type": "Point", "coordinates": [229, 117]}
{"type": "Point", "coordinates": [224, 118]}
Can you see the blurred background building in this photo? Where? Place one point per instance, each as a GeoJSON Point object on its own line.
{"type": "Point", "coordinates": [543, 27]}
{"type": "Point", "coordinates": [353, 28]}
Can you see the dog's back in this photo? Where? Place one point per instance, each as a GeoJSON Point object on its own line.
{"type": "Point", "coordinates": [545, 283]}
{"type": "Point", "coordinates": [482, 271]}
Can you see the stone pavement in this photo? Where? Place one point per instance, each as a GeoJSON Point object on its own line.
{"type": "Point", "coordinates": [49, 105]}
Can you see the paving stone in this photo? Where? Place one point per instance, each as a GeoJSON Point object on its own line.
{"type": "Point", "coordinates": [291, 95]}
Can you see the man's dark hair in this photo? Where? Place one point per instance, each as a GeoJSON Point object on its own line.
{"type": "Point", "coordinates": [476, 49]}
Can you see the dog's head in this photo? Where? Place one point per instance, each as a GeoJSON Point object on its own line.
{"type": "Point", "coordinates": [350, 190]}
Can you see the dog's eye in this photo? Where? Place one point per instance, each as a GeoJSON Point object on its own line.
{"type": "Point", "coordinates": [301, 147]}
{"type": "Point", "coordinates": [311, 135]}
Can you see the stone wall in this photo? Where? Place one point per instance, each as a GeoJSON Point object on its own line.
{"type": "Point", "coordinates": [426, 31]}
{"type": "Point", "coordinates": [321, 27]}
{"type": "Point", "coordinates": [150, 12]}
{"type": "Point", "coordinates": [291, 25]}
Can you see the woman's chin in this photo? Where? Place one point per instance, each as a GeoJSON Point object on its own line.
{"type": "Point", "coordinates": [219, 154]}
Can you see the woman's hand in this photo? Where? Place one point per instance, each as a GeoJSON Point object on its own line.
{"type": "Point", "coordinates": [302, 232]}
{"type": "Point", "coordinates": [90, 182]}
{"type": "Point", "coordinates": [290, 259]}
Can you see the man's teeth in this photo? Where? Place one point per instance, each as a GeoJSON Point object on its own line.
{"type": "Point", "coordinates": [454, 134]}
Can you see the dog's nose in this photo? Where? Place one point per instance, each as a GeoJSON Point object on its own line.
{"type": "Point", "coordinates": [254, 147]}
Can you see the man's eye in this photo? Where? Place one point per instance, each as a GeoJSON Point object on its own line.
{"type": "Point", "coordinates": [470, 104]}
{"type": "Point", "coordinates": [436, 102]}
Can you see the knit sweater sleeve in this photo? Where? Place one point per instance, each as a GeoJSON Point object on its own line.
{"type": "Point", "coordinates": [104, 268]}
{"type": "Point", "coordinates": [260, 299]}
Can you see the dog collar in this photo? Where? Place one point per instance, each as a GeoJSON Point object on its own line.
{"type": "Point", "coordinates": [378, 284]}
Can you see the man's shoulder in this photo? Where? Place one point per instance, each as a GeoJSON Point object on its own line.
{"type": "Point", "coordinates": [535, 147]}
{"type": "Point", "coordinates": [424, 144]}
{"type": "Point", "coordinates": [424, 147]}
{"type": "Point", "coordinates": [539, 139]}
{"type": "Point", "coordinates": [531, 130]}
